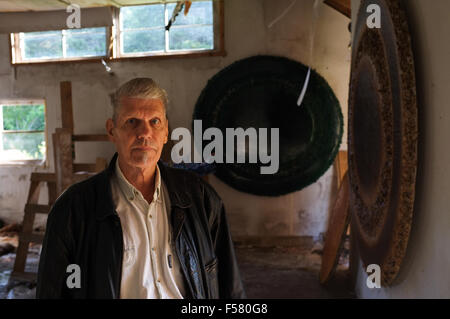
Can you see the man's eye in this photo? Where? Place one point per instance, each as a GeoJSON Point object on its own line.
{"type": "Point", "coordinates": [131, 121]}
{"type": "Point", "coordinates": [156, 121]}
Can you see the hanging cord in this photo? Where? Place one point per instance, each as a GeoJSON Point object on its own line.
{"type": "Point", "coordinates": [282, 14]}
{"type": "Point", "coordinates": [311, 50]}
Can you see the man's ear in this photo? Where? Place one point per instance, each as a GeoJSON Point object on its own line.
{"type": "Point", "coordinates": [109, 129]}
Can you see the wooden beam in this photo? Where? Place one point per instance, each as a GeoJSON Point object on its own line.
{"type": "Point", "coordinates": [62, 151]}
{"type": "Point", "coordinates": [100, 164]}
{"type": "Point", "coordinates": [52, 196]}
{"type": "Point", "coordinates": [83, 167]}
{"type": "Point", "coordinates": [24, 276]}
{"type": "Point", "coordinates": [37, 209]}
{"type": "Point", "coordinates": [34, 191]}
{"type": "Point", "coordinates": [81, 177]}
{"type": "Point", "coordinates": [66, 106]}
{"type": "Point", "coordinates": [90, 138]}
{"type": "Point", "coordinates": [27, 227]}
{"type": "Point", "coordinates": [222, 27]}
{"type": "Point", "coordinates": [341, 164]}
{"type": "Point", "coordinates": [343, 6]}
{"type": "Point", "coordinates": [43, 177]}
{"type": "Point", "coordinates": [31, 238]}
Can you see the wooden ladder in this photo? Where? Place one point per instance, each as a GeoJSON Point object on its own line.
{"type": "Point", "coordinates": [31, 208]}
{"type": "Point", "coordinates": [66, 173]}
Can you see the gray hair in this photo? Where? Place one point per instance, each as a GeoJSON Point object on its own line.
{"type": "Point", "coordinates": [144, 88]}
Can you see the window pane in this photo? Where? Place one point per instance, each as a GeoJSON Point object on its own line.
{"type": "Point", "coordinates": [142, 16]}
{"type": "Point", "coordinates": [200, 12]}
{"type": "Point", "coordinates": [191, 38]}
{"type": "Point", "coordinates": [23, 146]}
{"type": "Point", "coordinates": [143, 41]}
{"type": "Point", "coordinates": [86, 44]}
{"type": "Point", "coordinates": [23, 117]}
{"type": "Point", "coordinates": [42, 46]}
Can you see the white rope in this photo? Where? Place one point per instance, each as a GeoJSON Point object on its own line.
{"type": "Point", "coordinates": [316, 11]}
{"type": "Point", "coordinates": [282, 14]}
{"type": "Point", "coordinates": [305, 86]}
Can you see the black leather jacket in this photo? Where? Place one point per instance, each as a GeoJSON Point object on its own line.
{"type": "Point", "coordinates": [83, 228]}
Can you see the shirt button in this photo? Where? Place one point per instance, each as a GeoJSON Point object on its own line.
{"type": "Point", "coordinates": [153, 248]}
{"type": "Point", "coordinates": [150, 216]}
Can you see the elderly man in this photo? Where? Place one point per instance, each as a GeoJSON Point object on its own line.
{"type": "Point", "coordinates": [138, 229]}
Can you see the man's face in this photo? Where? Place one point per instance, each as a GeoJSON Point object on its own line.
{"type": "Point", "coordinates": [139, 132]}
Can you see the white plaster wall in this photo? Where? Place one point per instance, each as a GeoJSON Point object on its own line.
{"type": "Point", "coordinates": [246, 34]}
{"type": "Point", "coordinates": [301, 213]}
{"type": "Point", "coordinates": [424, 273]}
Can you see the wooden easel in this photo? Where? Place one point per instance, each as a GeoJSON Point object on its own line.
{"type": "Point", "coordinates": [341, 166]}
{"type": "Point", "coordinates": [66, 173]}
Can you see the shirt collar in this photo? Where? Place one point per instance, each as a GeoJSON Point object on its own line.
{"type": "Point", "coordinates": [132, 192]}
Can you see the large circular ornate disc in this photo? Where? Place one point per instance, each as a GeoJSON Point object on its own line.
{"type": "Point", "coordinates": [262, 92]}
{"type": "Point", "coordinates": [382, 138]}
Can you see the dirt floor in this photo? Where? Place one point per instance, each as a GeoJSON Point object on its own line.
{"type": "Point", "coordinates": [289, 273]}
{"type": "Point", "coordinates": [11, 289]}
{"type": "Point", "coordinates": [267, 272]}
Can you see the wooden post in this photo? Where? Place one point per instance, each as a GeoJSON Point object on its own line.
{"type": "Point", "coordinates": [341, 164]}
{"type": "Point", "coordinates": [66, 106]}
{"type": "Point", "coordinates": [100, 164]}
{"type": "Point", "coordinates": [52, 195]}
{"type": "Point", "coordinates": [27, 228]}
{"type": "Point", "coordinates": [62, 144]}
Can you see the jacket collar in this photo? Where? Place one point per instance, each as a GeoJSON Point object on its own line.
{"type": "Point", "coordinates": [176, 185]}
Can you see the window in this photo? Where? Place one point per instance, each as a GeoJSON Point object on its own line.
{"type": "Point", "coordinates": [138, 31]}
{"type": "Point", "coordinates": [142, 29]}
{"type": "Point", "coordinates": [60, 45]}
{"type": "Point", "coordinates": [194, 31]}
{"type": "Point", "coordinates": [22, 131]}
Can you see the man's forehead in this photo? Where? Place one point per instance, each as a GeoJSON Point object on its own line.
{"type": "Point", "coordinates": [138, 101]}
{"type": "Point", "coordinates": [133, 105]}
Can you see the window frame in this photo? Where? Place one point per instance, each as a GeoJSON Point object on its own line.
{"type": "Point", "coordinates": [113, 45]}
{"type": "Point", "coordinates": [166, 51]}
{"type": "Point", "coordinates": [16, 50]}
{"type": "Point", "coordinates": [25, 162]}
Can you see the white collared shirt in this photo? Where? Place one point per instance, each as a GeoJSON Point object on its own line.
{"type": "Point", "coordinates": [150, 268]}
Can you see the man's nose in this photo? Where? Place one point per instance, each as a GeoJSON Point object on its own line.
{"type": "Point", "coordinates": [144, 130]}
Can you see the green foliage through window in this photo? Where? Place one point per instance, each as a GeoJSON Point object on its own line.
{"type": "Point", "coordinates": [142, 28]}
{"type": "Point", "coordinates": [143, 41]}
{"type": "Point", "coordinates": [70, 43]}
{"type": "Point", "coordinates": [23, 132]}
{"type": "Point", "coordinates": [23, 117]}
{"type": "Point", "coordinates": [191, 38]}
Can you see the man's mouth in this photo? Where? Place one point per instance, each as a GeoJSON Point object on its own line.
{"type": "Point", "coordinates": [144, 148]}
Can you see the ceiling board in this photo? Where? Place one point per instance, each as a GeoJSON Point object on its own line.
{"type": "Point", "coordinates": [46, 5]}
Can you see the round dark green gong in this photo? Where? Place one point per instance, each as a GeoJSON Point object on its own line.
{"type": "Point", "coordinates": [262, 92]}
